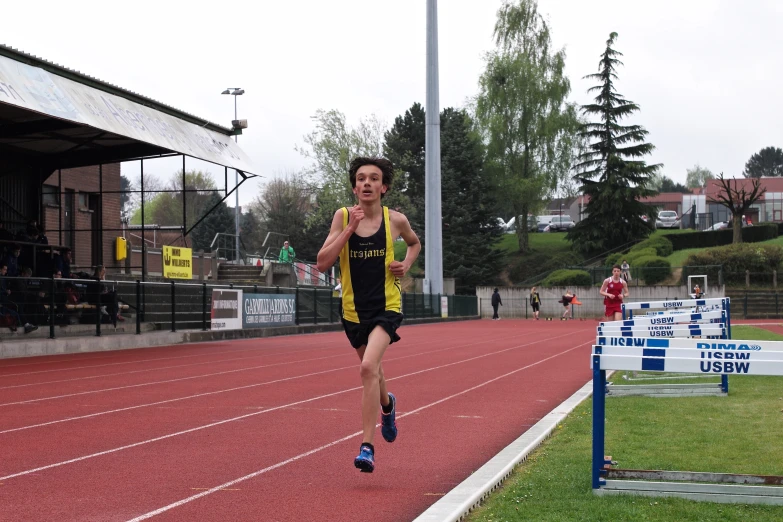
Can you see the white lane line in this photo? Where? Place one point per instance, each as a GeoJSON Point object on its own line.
{"type": "Point", "coordinates": [97, 414]}
{"type": "Point", "coordinates": [319, 345]}
{"type": "Point", "coordinates": [58, 359]}
{"type": "Point", "coordinates": [333, 443]}
{"type": "Point", "coordinates": [158, 368]}
{"type": "Point", "coordinates": [275, 408]}
{"type": "Point", "coordinates": [153, 383]}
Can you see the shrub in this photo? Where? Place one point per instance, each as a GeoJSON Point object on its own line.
{"type": "Point", "coordinates": [633, 255]}
{"type": "Point", "coordinates": [614, 259]}
{"type": "Point", "coordinates": [735, 260]}
{"type": "Point", "coordinates": [662, 245]}
{"type": "Point", "coordinates": [653, 269]}
{"type": "Point", "coordinates": [568, 278]}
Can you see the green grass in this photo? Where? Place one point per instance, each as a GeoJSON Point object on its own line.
{"type": "Point", "coordinates": [738, 434]}
{"type": "Point", "coordinates": [554, 242]}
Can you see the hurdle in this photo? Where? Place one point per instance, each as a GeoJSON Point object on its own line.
{"type": "Point", "coordinates": [718, 316]}
{"type": "Point", "coordinates": [676, 330]}
{"type": "Point", "coordinates": [680, 356]}
{"type": "Point", "coordinates": [708, 318]}
{"type": "Point", "coordinates": [722, 303]}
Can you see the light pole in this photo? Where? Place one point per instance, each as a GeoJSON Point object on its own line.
{"type": "Point", "coordinates": [236, 91]}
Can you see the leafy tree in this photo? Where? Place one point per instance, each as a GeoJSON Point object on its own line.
{"type": "Point", "coordinates": [221, 219]}
{"type": "Point", "coordinates": [331, 147]}
{"type": "Point", "coordinates": [612, 173]}
{"type": "Point", "coordinates": [404, 147]}
{"type": "Point", "coordinates": [737, 197]}
{"type": "Point", "coordinates": [284, 207]}
{"type": "Point", "coordinates": [662, 183]}
{"type": "Point", "coordinates": [768, 162]}
{"type": "Point", "coordinates": [163, 204]}
{"type": "Point", "coordinates": [152, 186]}
{"type": "Point", "coordinates": [251, 230]}
{"type": "Point", "coordinates": [698, 176]}
{"type": "Point", "coordinates": [522, 111]}
{"type": "Point", "coordinates": [470, 221]}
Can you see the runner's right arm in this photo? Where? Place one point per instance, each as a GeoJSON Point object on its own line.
{"type": "Point", "coordinates": [338, 237]}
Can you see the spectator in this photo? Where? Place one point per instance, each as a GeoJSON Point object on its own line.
{"type": "Point", "coordinates": [8, 309]}
{"type": "Point", "coordinates": [100, 294]}
{"type": "Point", "coordinates": [32, 297]}
{"type": "Point", "coordinates": [626, 271]}
{"type": "Point", "coordinates": [566, 301]}
{"type": "Point", "coordinates": [496, 301]}
{"type": "Point", "coordinates": [12, 261]}
{"type": "Point", "coordinates": [62, 263]}
{"type": "Point", "coordinates": [286, 253]}
{"type": "Point", "coordinates": [697, 293]}
{"type": "Point", "coordinates": [535, 302]}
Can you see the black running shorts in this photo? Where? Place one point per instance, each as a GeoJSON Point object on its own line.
{"type": "Point", "coordinates": [359, 333]}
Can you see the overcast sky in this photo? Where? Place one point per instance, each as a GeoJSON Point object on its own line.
{"type": "Point", "coordinates": [703, 71]}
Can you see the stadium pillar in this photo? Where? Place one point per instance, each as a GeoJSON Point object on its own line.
{"type": "Point", "coordinates": [433, 228]}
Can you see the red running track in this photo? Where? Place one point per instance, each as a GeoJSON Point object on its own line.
{"type": "Point", "coordinates": [267, 429]}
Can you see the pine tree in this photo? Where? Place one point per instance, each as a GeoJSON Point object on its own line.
{"type": "Point", "coordinates": [404, 147]}
{"type": "Point", "coordinates": [470, 227]}
{"type": "Point", "coordinates": [612, 174]}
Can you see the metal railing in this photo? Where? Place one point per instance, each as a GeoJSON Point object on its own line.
{"type": "Point", "coordinates": [88, 307]}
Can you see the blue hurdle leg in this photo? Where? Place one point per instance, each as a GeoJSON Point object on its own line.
{"type": "Point", "coordinates": [599, 414]}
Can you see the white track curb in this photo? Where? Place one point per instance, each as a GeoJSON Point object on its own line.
{"type": "Point", "coordinates": [473, 490]}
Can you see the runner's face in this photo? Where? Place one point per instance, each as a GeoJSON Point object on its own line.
{"type": "Point", "coordinates": [369, 183]}
{"type": "Point", "coordinates": [616, 273]}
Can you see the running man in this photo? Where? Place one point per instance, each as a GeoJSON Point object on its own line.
{"type": "Point", "coordinates": [566, 300]}
{"type": "Point", "coordinates": [362, 237]}
{"type": "Point", "coordinates": [614, 290]}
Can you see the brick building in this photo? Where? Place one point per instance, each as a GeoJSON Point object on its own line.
{"type": "Point", "coordinates": [76, 205]}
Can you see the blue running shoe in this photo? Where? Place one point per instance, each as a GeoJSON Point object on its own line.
{"type": "Point", "coordinates": [366, 459]}
{"type": "Point", "coordinates": [388, 425]}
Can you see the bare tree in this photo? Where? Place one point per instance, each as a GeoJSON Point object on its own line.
{"type": "Point", "coordinates": [738, 197]}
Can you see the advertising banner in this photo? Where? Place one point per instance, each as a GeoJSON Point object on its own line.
{"type": "Point", "coordinates": [263, 310]}
{"type": "Point", "coordinates": [177, 262]}
{"type": "Point", "coordinates": [226, 309]}
{"type": "Point", "coordinates": [444, 306]}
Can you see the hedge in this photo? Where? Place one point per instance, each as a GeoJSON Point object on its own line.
{"type": "Point", "coordinates": [735, 260]}
{"type": "Point", "coordinates": [653, 269]}
{"type": "Point", "coordinates": [712, 238]}
{"type": "Point", "coordinates": [567, 277]}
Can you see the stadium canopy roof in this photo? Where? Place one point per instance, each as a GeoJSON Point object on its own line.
{"type": "Point", "coordinates": [55, 117]}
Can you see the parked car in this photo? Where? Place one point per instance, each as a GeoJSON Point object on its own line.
{"type": "Point", "coordinates": [720, 225]}
{"type": "Point", "coordinates": [561, 223]}
{"type": "Point", "coordinates": [667, 219]}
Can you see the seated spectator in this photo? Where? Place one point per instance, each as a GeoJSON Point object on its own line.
{"type": "Point", "coordinates": [100, 294]}
{"type": "Point", "coordinates": [62, 263]}
{"type": "Point", "coordinates": [12, 260]}
{"type": "Point", "coordinates": [9, 310]}
{"type": "Point", "coordinates": [33, 297]}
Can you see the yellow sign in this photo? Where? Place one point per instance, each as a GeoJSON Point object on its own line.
{"type": "Point", "coordinates": [177, 262]}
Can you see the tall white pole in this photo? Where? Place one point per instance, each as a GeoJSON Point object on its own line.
{"type": "Point", "coordinates": [236, 184]}
{"type": "Point", "coordinates": [433, 238]}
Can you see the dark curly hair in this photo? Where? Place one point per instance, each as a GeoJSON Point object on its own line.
{"type": "Point", "coordinates": [387, 169]}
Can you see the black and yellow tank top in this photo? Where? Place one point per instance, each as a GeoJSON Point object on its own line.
{"type": "Point", "coordinates": [369, 288]}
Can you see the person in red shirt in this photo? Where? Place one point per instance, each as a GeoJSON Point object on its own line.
{"type": "Point", "coordinates": [614, 290]}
